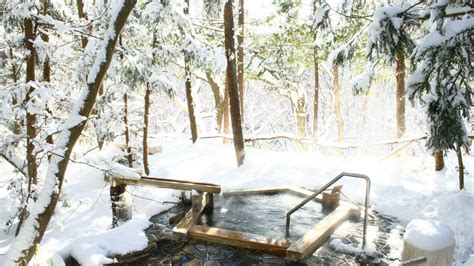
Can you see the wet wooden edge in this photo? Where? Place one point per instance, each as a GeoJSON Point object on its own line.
{"type": "Point", "coordinates": [192, 216]}
{"type": "Point", "coordinates": [317, 236]}
{"type": "Point", "coordinates": [240, 239]}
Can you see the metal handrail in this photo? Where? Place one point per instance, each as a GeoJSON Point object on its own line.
{"type": "Point", "coordinates": [330, 183]}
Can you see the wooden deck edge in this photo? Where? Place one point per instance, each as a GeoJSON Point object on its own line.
{"type": "Point", "coordinates": [258, 191]}
{"type": "Point", "coordinates": [315, 238]}
{"type": "Point", "coordinates": [181, 230]}
{"type": "Point", "coordinates": [240, 239]}
{"type": "Point", "coordinates": [302, 192]}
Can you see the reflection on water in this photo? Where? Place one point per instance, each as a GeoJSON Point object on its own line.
{"type": "Point", "coordinates": [264, 215]}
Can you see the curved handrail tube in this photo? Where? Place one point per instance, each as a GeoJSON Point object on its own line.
{"type": "Point", "coordinates": [330, 183]}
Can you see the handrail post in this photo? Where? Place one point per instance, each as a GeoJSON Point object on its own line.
{"type": "Point", "coordinates": [330, 183]}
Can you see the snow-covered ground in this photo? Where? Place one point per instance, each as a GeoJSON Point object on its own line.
{"type": "Point", "coordinates": [404, 187]}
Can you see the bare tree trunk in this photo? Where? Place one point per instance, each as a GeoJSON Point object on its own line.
{"type": "Point", "coordinates": [439, 160]}
{"type": "Point", "coordinates": [189, 94]}
{"type": "Point", "coordinates": [400, 75]}
{"type": "Point", "coordinates": [82, 15]}
{"type": "Point", "coordinates": [226, 112]}
{"type": "Point", "coordinates": [47, 69]}
{"type": "Point", "coordinates": [240, 57]}
{"type": "Point", "coordinates": [231, 80]}
{"type": "Point", "coordinates": [127, 133]}
{"type": "Point", "coordinates": [16, 128]}
{"type": "Point", "coordinates": [300, 113]}
{"type": "Point", "coordinates": [337, 104]}
{"type": "Point", "coordinates": [145, 131]}
{"type": "Point", "coordinates": [316, 95]}
{"type": "Point", "coordinates": [460, 167]}
{"type": "Point", "coordinates": [84, 41]}
{"type": "Point", "coordinates": [316, 84]}
{"type": "Point", "coordinates": [30, 118]}
{"type": "Point", "coordinates": [218, 100]}
{"type": "Point", "coordinates": [24, 246]}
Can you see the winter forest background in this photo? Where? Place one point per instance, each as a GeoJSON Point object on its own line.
{"type": "Point", "coordinates": [311, 81]}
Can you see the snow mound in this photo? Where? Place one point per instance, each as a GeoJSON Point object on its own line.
{"type": "Point", "coordinates": [94, 249]}
{"type": "Point", "coordinates": [429, 235]}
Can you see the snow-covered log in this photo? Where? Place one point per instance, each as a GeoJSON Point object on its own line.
{"type": "Point", "coordinates": [24, 246]}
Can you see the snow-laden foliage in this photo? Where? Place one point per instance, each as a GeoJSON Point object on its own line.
{"type": "Point", "coordinates": [442, 77]}
{"type": "Point", "coordinates": [388, 33]}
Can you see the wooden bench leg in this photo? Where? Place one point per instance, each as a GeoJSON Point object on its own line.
{"type": "Point", "coordinates": [121, 205]}
{"type": "Point", "coordinates": [209, 208]}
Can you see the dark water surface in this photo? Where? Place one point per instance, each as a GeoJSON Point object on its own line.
{"type": "Point", "coordinates": [264, 215]}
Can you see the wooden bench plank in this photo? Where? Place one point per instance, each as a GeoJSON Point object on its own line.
{"type": "Point", "coordinates": [239, 239]}
{"type": "Point", "coordinates": [171, 183]}
{"type": "Point", "coordinates": [315, 238]}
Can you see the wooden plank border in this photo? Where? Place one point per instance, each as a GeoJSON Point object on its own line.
{"type": "Point", "coordinates": [240, 239]}
{"type": "Point", "coordinates": [199, 204]}
{"type": "Point", "coordinates": [315, 238]}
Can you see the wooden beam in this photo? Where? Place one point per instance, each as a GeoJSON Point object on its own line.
{"type": "Point", "coordinates": [199, 204]}
{"type": "Point", "coordinates": [315, 238]}
{"type": "Point", "coordinates": [171, 183]}
{"type": "Point", "coordinates": [240, 239]}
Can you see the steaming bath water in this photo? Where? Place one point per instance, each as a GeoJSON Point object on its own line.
{"type": "Point", "coordinates": [264, 215]}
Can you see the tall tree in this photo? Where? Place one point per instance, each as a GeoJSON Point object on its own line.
{"type": "Point", "coordinates": [145, 130]}
{"type": "Point", "coordinates": [443, 75]}
{"type": "Point", "coordinates": [82, 16]}
{"type": "Point", "coordinates": [240, 56]}
{"type": "Point", "coordinates": [231, 80]}
{"type": "Point", "coordinates": [46, 66]}
{"type": "Point", "coordinates": [24, 246]}
{"type": "Point", "coordinates": [188, 85]}
{"type": "Point", "coordinates": [337, 103]}
{"type": "Point", "coordinates": [316, 81]}
{"type": "Point", "coordinates": [30, 116]}
{"type": "Point", "coordinates": [127, 132]}
{"type": "Point", "coordinates": [400, 94]}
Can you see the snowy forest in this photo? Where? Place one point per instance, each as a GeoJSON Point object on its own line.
{"type": "Point", "coordinates": [187, 132]}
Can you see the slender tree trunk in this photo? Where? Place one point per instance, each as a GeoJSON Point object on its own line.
{"type": "Point", "coordinates": [460, 167]}
{"type": "Point", "coordinates": [240, 57]}
{"type": "Point", "coordinates": [145, 131]}
{"type": "Point", "coordinates": [84, 41]}
{"type": "Point", "coordinates": [337, 104]}
{"type": "Point", "coordinates": [189, 93]}
{"type": "Point", "coordinates": [316, 95]}
{"type": "Point", "coordinates": [127, 132]}
{"type": "Point", "coordinates": [47, 69]}
{"type": "Point", "coordinates": [439, 160]}
{"type": "Point", "coordinates": [30, 118]}
{"type": "Point", "coordinates": [316, 84]}
{"type": "Point", "coordinates": [400, 75]}
{"type": "Point", "coordinates": [16, 128]}
{"type": "Point", "coordinates": [83, 16]}
{"type": "Point", "coordinates": [226, 112]}
{"type": "Point", "coordinates": [218, 100]}
{"type": "Point", "coordinates": [300, 114]}
{"type": "Point", "coordinates": [231, 80]}
{"type": "Point", "coordinates": [24, 246]}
